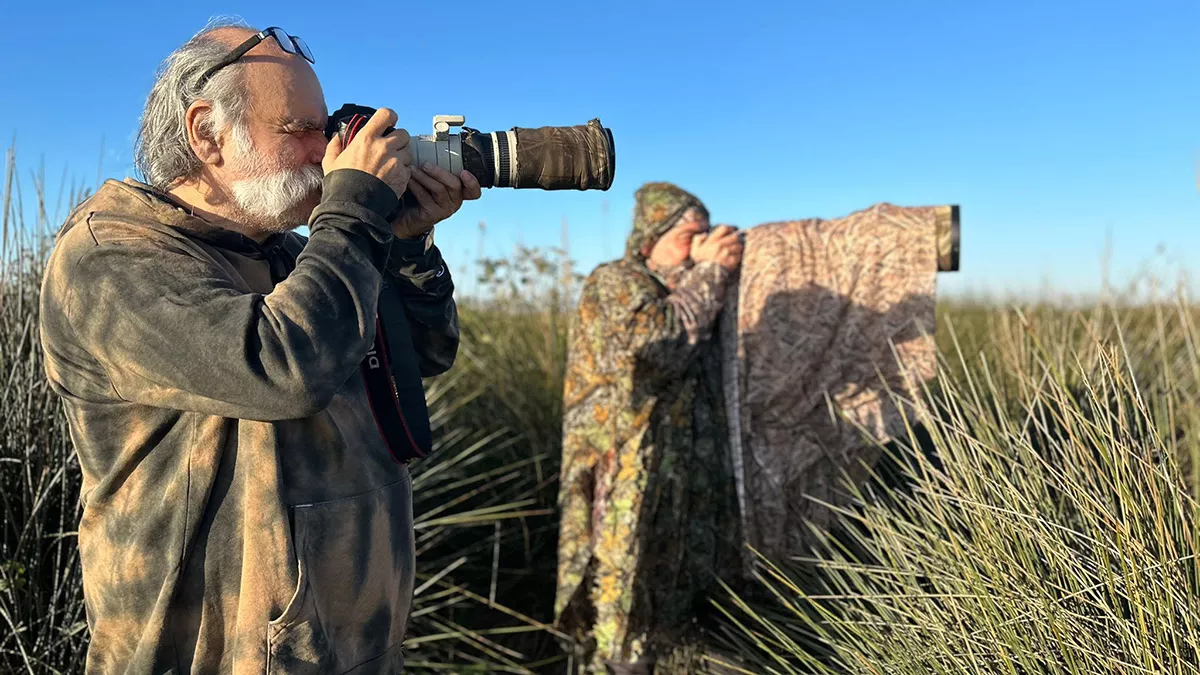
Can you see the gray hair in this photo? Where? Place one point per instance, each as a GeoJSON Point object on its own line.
{"type": "Point", "coordinates": [163, 153]}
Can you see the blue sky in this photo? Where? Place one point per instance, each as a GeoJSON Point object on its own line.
{"type": "Point", "coordinates": [1053, 125]}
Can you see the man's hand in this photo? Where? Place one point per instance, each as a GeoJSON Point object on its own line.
{"type": "Point", "coordinates": [385, 157]}
{"type": "Point", "coordinates": [439, 195]}
{"type": "Point", "coordinates": [722, 245]}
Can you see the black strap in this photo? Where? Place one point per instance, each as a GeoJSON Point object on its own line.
{"type": "Point", "coordinates": [385, 400]}
{"type": "Point", "coordinates": [405, 441]}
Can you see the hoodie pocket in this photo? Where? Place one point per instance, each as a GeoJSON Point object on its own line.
{"type": "Point", "coordinates": [356, 563]}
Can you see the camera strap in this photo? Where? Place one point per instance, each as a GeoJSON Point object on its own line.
{"type": "Point", "coordinates": [384, 400]}
{"type": "Point", "coordinates": [406, 438]}
{"type": "Point", "coordinates": [378, 369]}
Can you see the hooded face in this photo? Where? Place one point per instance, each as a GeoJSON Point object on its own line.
{"type": "Point", "coordinates": [665, 219]}
{"type": "Point", "coordinates": [671, 254]}
{"type": "Point", "coordinates": [674, 247]}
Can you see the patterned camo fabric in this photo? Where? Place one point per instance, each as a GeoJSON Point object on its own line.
{"type": "Point", "coordinates": [813, 311]}
{"type": "Point", "coordinates": [650, 488]}
{"type": "Point", "coordinates": [647, 496]}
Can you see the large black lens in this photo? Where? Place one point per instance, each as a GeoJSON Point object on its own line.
{"type": "Point", "coordinates": [581, 157]}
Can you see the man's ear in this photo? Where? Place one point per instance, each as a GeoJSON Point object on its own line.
{"type": "Point", "coordinates": [202, 136]}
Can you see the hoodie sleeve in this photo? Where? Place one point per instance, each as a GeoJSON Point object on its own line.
{"type": "Point", "coordinates": [170, 328]}
{"type": "Point", "coordinates": [421, 281]}
{"type": "Point", "coordinates": [657, 333]}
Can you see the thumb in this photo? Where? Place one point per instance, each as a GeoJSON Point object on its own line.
{"type": "Point", "coordinates": [332, 151]}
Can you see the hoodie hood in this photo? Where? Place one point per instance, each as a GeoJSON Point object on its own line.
{"type": "Point", "coordinates": [659, 205]}
{"type": "Point", "coordinates": [135, 199]}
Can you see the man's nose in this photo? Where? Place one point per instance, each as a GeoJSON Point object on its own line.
{"type": "Point", "coordinates": [316, 148]}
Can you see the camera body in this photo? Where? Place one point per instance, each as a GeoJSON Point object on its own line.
{"type": "Point", "coordinates": [581, 157]}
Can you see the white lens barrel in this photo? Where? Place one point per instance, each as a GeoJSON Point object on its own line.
{"type": "Point", "coordinates": [446, 154]}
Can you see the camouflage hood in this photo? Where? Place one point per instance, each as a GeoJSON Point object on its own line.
{"type": "Point", "coordinates": [658, 206]}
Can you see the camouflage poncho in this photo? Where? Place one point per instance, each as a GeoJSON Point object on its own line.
{"type": "Point", "coordinates": [647, 499]}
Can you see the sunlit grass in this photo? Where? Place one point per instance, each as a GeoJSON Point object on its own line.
{"type": "Point", "coordinates": [1040, 519]}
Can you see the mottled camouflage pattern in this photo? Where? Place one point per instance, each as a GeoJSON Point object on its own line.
{"type": "Point", "coordinates": [563, 158]}
{"type": "Point", "coordinates": [657, 208]}
{"type": "Point", "coordinates": [647, 501]}
{"type": "Point", "coordinates": [241, 513]}
{"type": "Point", "coordinates": [817, 311]}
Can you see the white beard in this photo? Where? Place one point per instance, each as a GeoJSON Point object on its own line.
{"type": "Point", "coordinates": [272, 199]}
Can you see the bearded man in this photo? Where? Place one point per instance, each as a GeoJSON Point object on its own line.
{"type": "Point", "coordinates": [647, 501]}
{"type": "Point", "coordinates": [243, 511]}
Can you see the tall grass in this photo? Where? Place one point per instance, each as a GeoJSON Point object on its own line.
{"type": "Point", "coordinates": [42, 624]}
{"type": "Point", "coordinates": [482, 503]}
{"type": "Point", "coordinates": [1040, 518]}
{"type": "Point", "coordinates": [506, 388]}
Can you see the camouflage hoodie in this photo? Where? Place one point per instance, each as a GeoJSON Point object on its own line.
{"type": "Point", "coordinates": [646, 496]}
{"type": "Point", "coordinates": [241, 513]}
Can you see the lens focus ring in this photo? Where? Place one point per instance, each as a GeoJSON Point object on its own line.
{"type": "Point", "coordinates": [503, 158]}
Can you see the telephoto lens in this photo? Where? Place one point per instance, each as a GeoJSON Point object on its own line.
{"type": "Point", "coordinates": [581, 157]}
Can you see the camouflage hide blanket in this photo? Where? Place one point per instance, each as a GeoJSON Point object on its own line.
{"type": "Point", "coordinates": [817, 310]}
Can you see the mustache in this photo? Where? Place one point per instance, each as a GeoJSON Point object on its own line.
{"type": "Point", "coordinates": [269, 198]}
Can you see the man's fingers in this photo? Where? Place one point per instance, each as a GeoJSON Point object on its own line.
{"type": "Point", "coordinates": [435, 188]}
{"type": "Point", "coordinates": [334, 147]}
{"type": "Point", "coordinates": [424, 199]}
{"type": "Point", "coordinates": [442, 176]}
{"type": "Point", "coordinates": [725, 233]}
{"type": "Point", "coordinates": [332, 150]}
{"type": "Point", "coordinates": [396, 144]}
{"type": "Point", "coordinates": [379, 122]}
{"type": "Point", "coordinates": [445, 184]}
{"type": "Point", "coordinates": [471, 187]}
{"type": "Point", "coordinates": [398, 139]}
